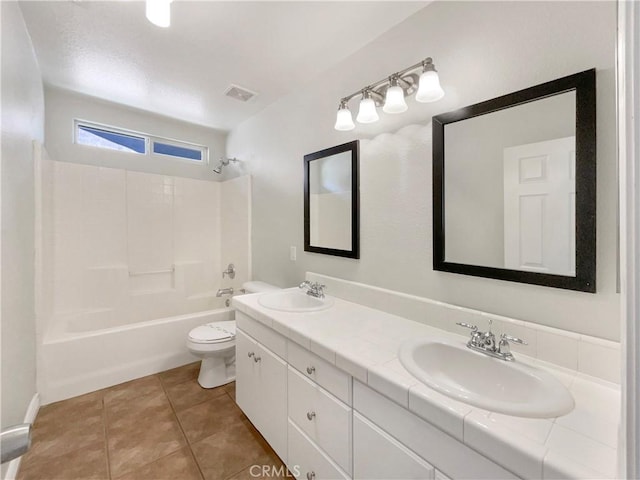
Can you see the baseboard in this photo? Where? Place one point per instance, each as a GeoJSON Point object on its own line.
{"type": "Point", "coordinates": [29, 417]}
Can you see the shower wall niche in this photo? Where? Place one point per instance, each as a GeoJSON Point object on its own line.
{"type": "Point", "coordinates": [119, 247]}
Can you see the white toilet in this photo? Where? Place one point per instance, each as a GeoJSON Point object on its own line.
{"type": "Point", "coordinates": [215, 343]}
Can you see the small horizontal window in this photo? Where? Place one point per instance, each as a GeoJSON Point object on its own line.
{"type": "Point", "coordinates": [103, 136]}
{"type": "Point", "coordinates": [98, 137]}
{"type": "Point", "coordinates": [188, 153]}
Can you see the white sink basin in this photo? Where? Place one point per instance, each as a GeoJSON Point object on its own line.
{"type": "Point", "coordinates": [294, 301]}
{"type": "Point", "coordinates": [511, 388]}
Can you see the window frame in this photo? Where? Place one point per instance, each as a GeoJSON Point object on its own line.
{"type": "Point", "coordinates": [118, 131]}
{"type": "Point", "coordinates": [204, 151]}
{"type": "Point", "coordinates": [149, 141]}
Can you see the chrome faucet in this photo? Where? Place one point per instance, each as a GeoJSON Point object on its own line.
{"type": "Point", "coordinates": [485, 342]}
{"type": "Point", "coordinates": [224, 291]}
{"type": "Point", "coordinates": [231, 271]}
{"type": "Point", "coordinates": [314, 289]}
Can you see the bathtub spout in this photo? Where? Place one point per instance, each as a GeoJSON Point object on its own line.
{"type": "Point", "coordinates": [224, 291]}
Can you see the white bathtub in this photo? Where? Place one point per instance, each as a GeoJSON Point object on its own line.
{"type": "Point", "coordinates": [74, 362]}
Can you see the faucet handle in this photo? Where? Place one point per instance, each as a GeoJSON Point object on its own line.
{"type": "Point", "coordinates": [506, 336]}
{"type": "Point", "coordinates": [468, 325]}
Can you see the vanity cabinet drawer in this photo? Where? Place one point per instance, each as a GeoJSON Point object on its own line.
{"type": "Point", "coordinates": [441, 476]}
{"type": "Point", "coordinates": [263, 334]}
{"type": "Point", "coordinates": [376, 455]}
{"type": "Point", "coordinates": [324, 418]}
{"type": "Point", "coordinates": [306, 461]}
{"type": "Point", "coordinates": [320, 371]}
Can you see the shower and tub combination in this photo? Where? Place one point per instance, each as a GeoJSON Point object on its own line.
{"type": "Point", "coordinates": [127, 264]}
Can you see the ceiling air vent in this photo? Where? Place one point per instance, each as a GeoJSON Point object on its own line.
{"type": "Point", "coordinates": [239, 93]}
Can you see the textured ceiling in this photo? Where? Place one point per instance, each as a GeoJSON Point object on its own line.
{"type": "Point", "coordinates": [109, 50]}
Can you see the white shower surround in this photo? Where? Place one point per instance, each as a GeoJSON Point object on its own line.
{"type": "Point", "coordinates": [120, 256]}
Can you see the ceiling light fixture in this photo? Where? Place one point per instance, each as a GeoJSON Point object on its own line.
{"type": "Point", "coordinates": [159, 12]}
{"type": "Point", "coordinates": [392, 90]}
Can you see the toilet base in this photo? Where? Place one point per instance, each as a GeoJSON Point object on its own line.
{"type": "Point", "coordinates": [214, 371]}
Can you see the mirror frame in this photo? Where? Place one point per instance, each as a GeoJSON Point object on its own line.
{"type": "Point", "coordinates": [354, 252]}
{"type": "Point", "coordinates": [584, 85]}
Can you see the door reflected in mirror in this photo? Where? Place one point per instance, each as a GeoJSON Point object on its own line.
{"type": "Point", "coordinates": [510, 186]}
{"type": "Point", "coordinates": [331, 201]}
{"type": "Point", "coordinates": [515, 184]}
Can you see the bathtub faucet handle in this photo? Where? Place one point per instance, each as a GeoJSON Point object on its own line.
{"type": "Point", "coordinates": [231, 271]}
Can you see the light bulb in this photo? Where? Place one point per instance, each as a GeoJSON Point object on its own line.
{"type": "Point", "coordinates": [429, 89]}
{"type": "Point", "coordinates": [394, 101]}
{"type": "Point", "coordinates": [344, 122]}
{"type": "Point", "coordinates": [367, 112]}
{"type": "Point", "coordinates": [159, 12]}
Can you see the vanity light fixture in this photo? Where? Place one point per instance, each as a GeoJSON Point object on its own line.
{"type": "Point", "coordinates": [394, 100]}
{"type": "Point", "coordinates": [392, 91]}
{"type": "Point", "coordinates": [344, 122]}
{"type": "Point", "coordinates": [367, 112]}
{"type": "Point", "coordinates": [159, 12]}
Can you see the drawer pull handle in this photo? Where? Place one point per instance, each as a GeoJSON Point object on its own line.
{"type": "Point", "coordinates": [250, 354]}
{"type": "Point", "coordinates": [311, 415]}
{"type": "Point", "coordinates": [310, 370]}
{"type": "Point", "coordinates": [311, 475]}
{"type": "Point", "coordinates": [256, 359]}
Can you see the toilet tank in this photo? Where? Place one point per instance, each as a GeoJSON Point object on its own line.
{"type": "Point", "coordinates": [256, 286]}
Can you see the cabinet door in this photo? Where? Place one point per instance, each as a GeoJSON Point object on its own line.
{"type": "Point", "coordinates": [376, 455]}
{"type": "Point", "coordinates": [270, 401]}
{"type": "Point", "coordinates": [261, 390]}
{"type": "Point", "coordinates": [246, 387]}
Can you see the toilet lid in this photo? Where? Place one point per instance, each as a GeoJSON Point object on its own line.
{"type": "Point", "coordinates": [215, 332]}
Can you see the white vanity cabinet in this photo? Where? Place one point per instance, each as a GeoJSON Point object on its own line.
{"type": "Point", "coordinates": [326, 425]}
{"type": "Point", "coordinates": [261, 389]}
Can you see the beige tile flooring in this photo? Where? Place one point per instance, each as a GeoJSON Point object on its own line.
{"type": "Point", "coordinates": [163, 426]}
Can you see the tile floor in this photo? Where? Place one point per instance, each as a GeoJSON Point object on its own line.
{"type": "Point", "coordinates": [163, 426]}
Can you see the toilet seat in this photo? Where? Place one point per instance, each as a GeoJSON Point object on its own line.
{"type": "Point", "coordinates": [215, 332]}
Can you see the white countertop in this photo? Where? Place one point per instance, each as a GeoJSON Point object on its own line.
{"type": "Point", "coordinates": [364, 342]}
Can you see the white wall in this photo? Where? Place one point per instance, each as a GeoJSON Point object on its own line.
{"type": "Point", "coordinates": [63, 107]}
{"type": "Point", "coordinates": [482, 50]}
{"type": "Point", "coordinates": [22, 122]}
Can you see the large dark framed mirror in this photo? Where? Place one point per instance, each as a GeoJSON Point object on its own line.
{"type": "Point", "coordinates": [331, 201]}
{"type": "Point", "coordinates": [514, 186]}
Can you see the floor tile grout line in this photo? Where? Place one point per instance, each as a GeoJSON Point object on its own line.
{"type": "Point", "coordinates": [106, 436]}
{"type": "Point", "coordinates": [175, 414]}
{"type": "Point", "coordinates": [175, 417]}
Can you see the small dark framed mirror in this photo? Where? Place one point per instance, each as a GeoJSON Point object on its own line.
{"type": "Point", "coordinates": [514, 186]}
{"type": "Point", "coordinates": [331, 201]}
